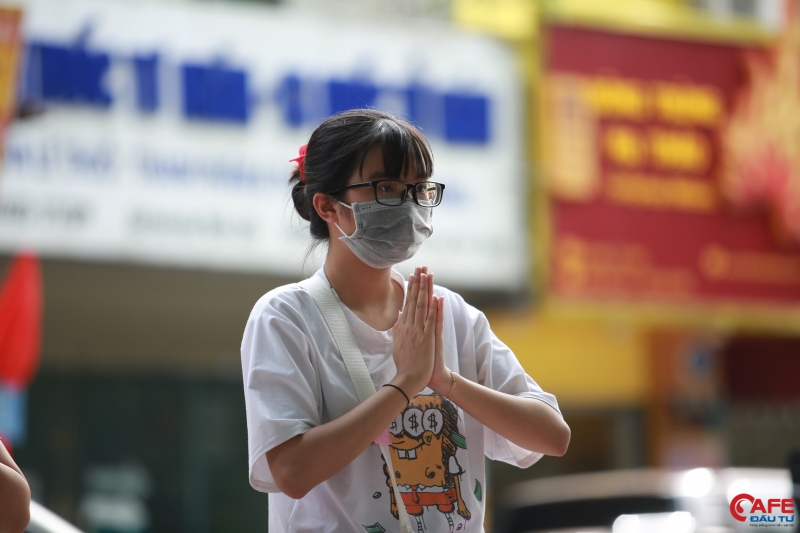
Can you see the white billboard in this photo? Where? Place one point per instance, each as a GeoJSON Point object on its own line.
{"type": "Point", "coordinates": [166, 130]}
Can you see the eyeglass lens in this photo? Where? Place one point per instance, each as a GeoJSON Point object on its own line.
{"type": "Point", "coordinates": [393, 192]}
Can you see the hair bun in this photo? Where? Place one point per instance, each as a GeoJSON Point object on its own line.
{"type": "Point", "coordinates": [301, 203]}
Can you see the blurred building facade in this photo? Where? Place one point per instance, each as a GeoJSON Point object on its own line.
{"type": "Point", "coordinates": [162, 215]}
{"type": "Point", "coordinates": [150, 174]}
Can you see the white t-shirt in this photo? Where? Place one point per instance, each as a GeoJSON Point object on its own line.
{"type": "Point", "coordinates": [295, 379]}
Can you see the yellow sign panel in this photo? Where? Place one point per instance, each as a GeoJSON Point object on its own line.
{"type": "Point", "coordinates": [580, 361]}
{"type": "Point", "coordinates": [9, 64]}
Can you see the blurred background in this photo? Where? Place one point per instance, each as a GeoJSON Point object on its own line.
{"type": "Point", "coordinates": [623, 201]}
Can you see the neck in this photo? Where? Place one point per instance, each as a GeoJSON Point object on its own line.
{"type": "Point", "coordinates": [359, 286]}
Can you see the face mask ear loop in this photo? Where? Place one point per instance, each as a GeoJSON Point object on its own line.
{"type": "Point", "coordinates": [350, 207]}
{"type": "Point", "coordinates": [337, 225]}
{"type": "Point", "coordinates": [340, 229]}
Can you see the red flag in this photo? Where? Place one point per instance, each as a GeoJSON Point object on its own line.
{"type": "Point", "coordinates": [20, 321]}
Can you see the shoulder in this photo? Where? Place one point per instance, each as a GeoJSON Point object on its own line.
{"type": "Point", "coordinates": [463, 313]}
{"type": "Point", "coordinates": [291, 302]}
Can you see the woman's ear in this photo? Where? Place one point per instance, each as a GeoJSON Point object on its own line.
{"type": "Point", "coordinates": [325, 207]}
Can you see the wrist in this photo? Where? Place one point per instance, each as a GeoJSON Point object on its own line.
{"type": "Point", "coordinates": [400, 390]}
{"type": "Point", "coordinates": [406, 383]}
{"type": "Point", "coordinates": [441, 382]}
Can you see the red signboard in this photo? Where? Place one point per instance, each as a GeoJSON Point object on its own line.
{"type": "Point", "coordinates": [670, 165]}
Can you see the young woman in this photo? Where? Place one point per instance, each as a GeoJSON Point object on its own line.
{"type": "Point", "coordinates": [449, 392]}
{"type": "Point", "coordinates": [15, 496]}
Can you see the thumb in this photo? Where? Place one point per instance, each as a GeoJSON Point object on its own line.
{"type": "Point", "coordinates": [439, 317]}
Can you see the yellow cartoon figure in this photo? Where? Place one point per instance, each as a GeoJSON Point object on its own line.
{"type": "Point", "coordinates": [423, 451]}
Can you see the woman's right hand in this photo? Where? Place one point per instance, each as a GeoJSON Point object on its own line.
{"type": "Point", "coordinates": [414, 335]}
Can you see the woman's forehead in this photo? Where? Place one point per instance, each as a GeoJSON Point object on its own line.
{"type": "Point", "coordinates": [373, 168]}
{"type": "Point", "coordinates": [373, 162]}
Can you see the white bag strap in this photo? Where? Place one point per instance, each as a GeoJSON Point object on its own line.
{"type": "Point", "coordinates": [328, 303]}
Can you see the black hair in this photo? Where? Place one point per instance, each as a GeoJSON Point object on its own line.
{"type": "Point", "coordinates": [340, 145]}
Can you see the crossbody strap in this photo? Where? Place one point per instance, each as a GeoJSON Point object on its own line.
{"type": "Point", "coordinates": [328, 303]}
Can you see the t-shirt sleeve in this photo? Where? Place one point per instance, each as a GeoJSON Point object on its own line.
{"type": "Point", "coordinates": [499, 369]}
{"type": "Point", "coordinates": [279, 390]}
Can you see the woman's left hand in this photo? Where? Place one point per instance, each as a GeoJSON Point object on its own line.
{"type": "Point", "coordinates": [440, 378]}
{"type": "Point", "coordinates": [543, 430]}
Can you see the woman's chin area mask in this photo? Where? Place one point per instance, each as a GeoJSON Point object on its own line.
{"type": "Point", "coordinates": [387, 235]}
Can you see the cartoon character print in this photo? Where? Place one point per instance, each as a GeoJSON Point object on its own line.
{"type": "Point", "coordinates": [423, 452]}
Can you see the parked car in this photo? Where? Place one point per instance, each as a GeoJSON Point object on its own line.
{"type": "Point", "coordinates": [640, 501]}
{"type": "Point", "coordinates": [45, 521]}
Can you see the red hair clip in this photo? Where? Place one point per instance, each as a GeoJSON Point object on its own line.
{"type": "Point", "coordinates": [301, 163]}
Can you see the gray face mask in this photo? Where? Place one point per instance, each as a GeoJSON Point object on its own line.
{"type": "Point", "coordinates": [386, 235]}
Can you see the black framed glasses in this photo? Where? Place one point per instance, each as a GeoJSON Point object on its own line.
{"type": "Point", "coordinates": [395, 192]}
